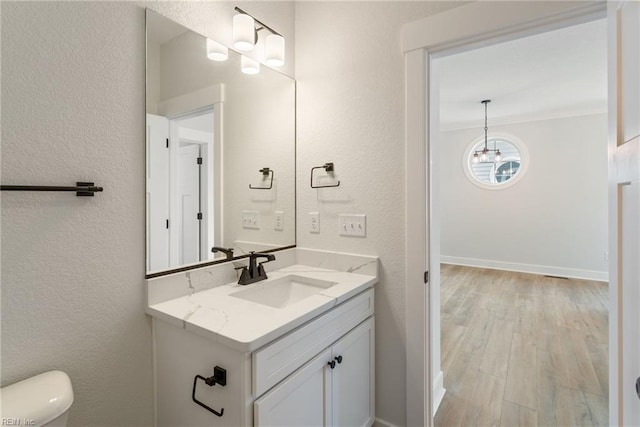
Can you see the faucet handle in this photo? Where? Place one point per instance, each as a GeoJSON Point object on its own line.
{"type": "Point", "coordinates": [228, 252]}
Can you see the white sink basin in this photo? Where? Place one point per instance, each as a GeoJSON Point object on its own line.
{"type": "Point", "coordinates": [282, 292]}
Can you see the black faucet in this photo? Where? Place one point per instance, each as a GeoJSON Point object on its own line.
{"type": "Point", "coordinates": [228, 253]}
{"type": "Point", "coordinates": [254, 272]}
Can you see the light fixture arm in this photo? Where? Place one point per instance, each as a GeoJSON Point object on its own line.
{"type": "Point", "coordinates": [486, 150]}
{"type": "Point", "coordinates": [486, 128]}
{"type": "Point", "coordinates": [237, 9]}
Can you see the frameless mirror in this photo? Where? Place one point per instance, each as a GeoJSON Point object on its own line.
{"type": "Point", "coordinates": [220, 152]}
{"type": "Point", "coordinates": [496, 163]}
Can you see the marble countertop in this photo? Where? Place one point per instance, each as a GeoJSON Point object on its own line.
{"type": "Point", "coordinates": [246, 326]}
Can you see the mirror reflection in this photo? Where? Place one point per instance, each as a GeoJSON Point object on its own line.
{"type": "Point", "coordinates": [220, 150]}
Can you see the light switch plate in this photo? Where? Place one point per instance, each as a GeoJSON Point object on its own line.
{"type": "Point", "coordinates": [352, 225]}
{"type": "Point", "coordinates": [251, 220]}
{"type": "Point", "coordinates": [314, 222]}
{"type": "Point", "coordinates": [279, 221]}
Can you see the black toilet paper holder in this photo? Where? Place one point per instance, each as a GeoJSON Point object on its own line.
{"type": "Point", "coordinates": [219, 377]}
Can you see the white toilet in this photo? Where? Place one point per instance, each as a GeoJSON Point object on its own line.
{"type": "Point", "coordinates": [43, 400]}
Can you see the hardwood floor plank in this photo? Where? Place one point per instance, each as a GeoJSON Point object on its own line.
{"type": "Point", "coordinates": [515, 415]}
{"type": "Point", "coordinates": [458, 381]}
{"type": "Point", "coordinates": [587, 379]}
{"type": "Point", "coordinates": [521, 379]}
{"type": "Point", "coordinates": [598, 409]}
{"type": "Point", "coordinates": [495, 360]}
{"type": "Point", "coordinates": [450, 344]}
{"type": "Point", "coordinates": [452, 411]}
{"type": "Point", "coordinates": [597, 322]}
{"type": "Point", "coordinates": [547, 389]}
{"type": "Point", "coordinates": [485, 405]}
{"type": "Point", "coordinates": [599, 354]}
{"type": "Point", "coordinates": [479, 326]}
{"type": "Point", "coordinates": [526, 319]}
{"type": "Point", "coordinates": [562, 359]}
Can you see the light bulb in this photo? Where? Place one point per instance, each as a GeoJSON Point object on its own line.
{"type": "Point", "coordinates": [274, 50]}
{"type": "Point", "coordinates": [498, 156]}
{"type": "Point", "coordinates": [217, 51]}
{"type": "Point", "coordinates": [484, 157]}
{"type": "Point", "coordinates": [475, 158]}
{"type": "Point", "coordinates": [244, 32]}
{"type": "Point", "coordinates": [249, 66]}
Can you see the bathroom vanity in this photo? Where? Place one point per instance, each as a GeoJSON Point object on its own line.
{"type": "Point", "coordinates": [294, 349]}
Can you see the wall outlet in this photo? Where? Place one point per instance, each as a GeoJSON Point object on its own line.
{"type": "Point", "coordinates": [606, 255]}
{"type": "Point", "coordinates": [314, 222]}
{"type": "Point", "coordinates": [279, 221]}
{"type": "Point", "coordinates": [352, 225]}
{"type": "Point", "coordinates": [251, 220]}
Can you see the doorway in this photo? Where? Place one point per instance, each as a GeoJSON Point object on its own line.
{"type": "Point", "coordinates": [547, 215]}
{"type": "Point", "coordinates": [192, 205]}
{"type": "Point", "coordinates": [478, 25]}
{"type": "Point", "coordinates": [183, 183]}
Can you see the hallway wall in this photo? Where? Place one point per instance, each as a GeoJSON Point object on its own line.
{"type": "Point", "coordinates": [553, 221]}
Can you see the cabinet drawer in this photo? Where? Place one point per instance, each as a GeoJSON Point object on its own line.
{"type": "Point", "coordinates": [274, 362]}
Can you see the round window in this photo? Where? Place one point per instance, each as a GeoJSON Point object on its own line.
{"type": "Point", "coordinates": [499, 163]}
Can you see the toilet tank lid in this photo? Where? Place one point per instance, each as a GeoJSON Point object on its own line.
{"type": "Point", "coordinates": [41, 398]}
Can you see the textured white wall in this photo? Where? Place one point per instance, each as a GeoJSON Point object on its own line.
{"type": "Point", "coordinates": [555, 217]}
{"type": "Point", "coordinates": [350, 74]}
{"type": "Point", "coordinates": [73, 268]}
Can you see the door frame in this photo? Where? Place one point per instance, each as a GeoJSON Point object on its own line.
{"type": "Point", "coordinates": [213, 182]}
{"type": "Point", "coordinates": [463, 28]}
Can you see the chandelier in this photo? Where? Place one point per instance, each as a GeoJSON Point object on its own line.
{"type": "Point", "coordinates": [484, 155]}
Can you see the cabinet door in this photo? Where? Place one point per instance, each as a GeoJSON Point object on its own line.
{"type": "Point", "coordinates": [300, 399]}
{"type": "Point", "coordinates": [353, 397]}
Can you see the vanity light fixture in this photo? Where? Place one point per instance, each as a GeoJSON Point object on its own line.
{"type": "Point", "coordinates": [217, 51]}
{"type": "Point", "coordinates": [274, 50]}
{"type": "Point", "coordinates": [245, 37]}
{"type": "Point", "coordinates": [483, 156]}
{"type": "Point", "coordinates": [249, 66]}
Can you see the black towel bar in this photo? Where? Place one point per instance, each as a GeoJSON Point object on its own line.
{"type": "Point", "coordinates": [81, 188]}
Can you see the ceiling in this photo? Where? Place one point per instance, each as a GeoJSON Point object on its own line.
{"type": "Point", "coordinates": [555, 74]}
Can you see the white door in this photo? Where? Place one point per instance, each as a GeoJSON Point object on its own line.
{"type": "Point", "coordinates": [353, 394]}
{"type": "Point", "coordinates": [157, 193]}
{"type": "Point", "coordinates": [189, 202]}
{"type": "Point", "coordinates": [624, 20]}
{"type": "Point", "coordinates": [630, 293]}
{"type": "Point", "coordinates": [300, 399]}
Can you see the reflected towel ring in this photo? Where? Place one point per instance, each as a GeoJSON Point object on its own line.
{"type": "Point", "coordinates": [328, 167]}
{"type": "Point", "coordinates": [265, 173]}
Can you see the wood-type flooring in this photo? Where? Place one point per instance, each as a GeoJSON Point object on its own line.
{"type": "Point", "coordinates": [522, 349]}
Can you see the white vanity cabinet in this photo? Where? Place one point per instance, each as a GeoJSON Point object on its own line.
{"type": "Point", "coordinates": [289, 381]}
{"type": "Point", "coordinates": [334, 389]}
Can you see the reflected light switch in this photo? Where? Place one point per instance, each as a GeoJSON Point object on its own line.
{"type": "Point", "coordinates": [314, 222]}
{"type": "Point", "coordinates": [279, 221]}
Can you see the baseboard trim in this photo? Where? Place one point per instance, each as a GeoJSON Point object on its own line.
{"type": "Point", "coordinates": [438, 392]}
{"type": "Point", "coordinates": [600, 276]}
